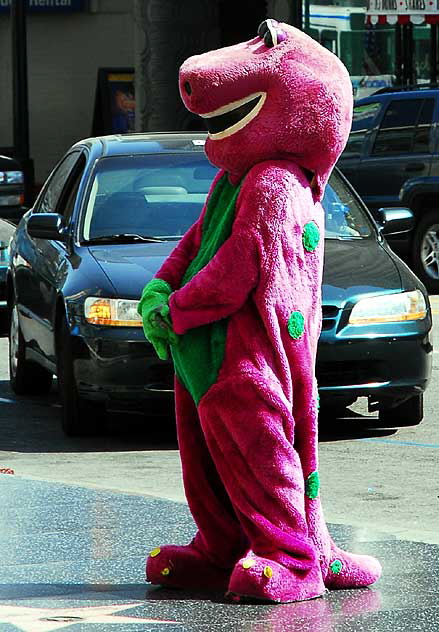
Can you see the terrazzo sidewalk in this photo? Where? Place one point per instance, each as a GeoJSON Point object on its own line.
{"type": "Point", "coordinates": [73, 558]}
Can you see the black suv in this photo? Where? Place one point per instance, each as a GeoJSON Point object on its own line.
{"type": "Point", "coordinates": [392, 159]}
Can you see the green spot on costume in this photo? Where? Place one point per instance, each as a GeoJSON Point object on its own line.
{"type": "Point", "coordinates": [310, 236]}
{"type": "Point", "coordinates": [336, 566]}
{"type": "Point", "coordinates": [296, 325]}
{"type": "Point", "coordinates": [312, 485]}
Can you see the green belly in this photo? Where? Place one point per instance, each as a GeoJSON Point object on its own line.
{"type": "Point", "coordinates": [199, 354]}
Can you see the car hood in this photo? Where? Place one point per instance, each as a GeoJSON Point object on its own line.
{"type": "Point", "coordinates": [351, 268]}
{"type": "Point", "coordinates": [354, 267]}
{"type": "Point", "coordinates": [129, 267]}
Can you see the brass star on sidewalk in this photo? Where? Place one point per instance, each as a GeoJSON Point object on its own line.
{"type": "Point", "coordinates": [31, 619]}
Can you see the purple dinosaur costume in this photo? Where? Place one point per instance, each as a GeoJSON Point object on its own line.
{"type": "Point", "coordinates": [242, 293]}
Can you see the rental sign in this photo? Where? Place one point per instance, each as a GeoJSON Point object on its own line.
{"type": "Point", "coordinates": [48, 6]}
{"type": "Point", "coordinates": [402, 11]}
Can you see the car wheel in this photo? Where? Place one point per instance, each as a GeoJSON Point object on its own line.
{"type": "Point", "coordinates": [426, 250]}
{"type": "Point", "coordinates": [26, 377]}
{"type": "Point", "coordinates": [409, 413]}
{"type": "Point", "coordinates": [79, 417]}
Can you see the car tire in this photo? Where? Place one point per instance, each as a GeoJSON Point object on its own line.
{"type": "Point", "coordinates": [425, 253]}
{"type": "Point", "coordinates": [25, 377]}
{"type": "Point", "coordinates": [409, 413]}
{"type": "Point", "coordinates": [79, 417]}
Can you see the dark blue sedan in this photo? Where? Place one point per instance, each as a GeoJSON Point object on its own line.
{"type": "Point", "coordinates": [109, 214]}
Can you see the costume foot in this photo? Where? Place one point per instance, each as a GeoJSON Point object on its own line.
{"type": "Point", "coordinates": [262, 579]}
{"type": "Point", "coordinates": [185, 567]}
{"type": "Point", "coordinates": [348, 570]}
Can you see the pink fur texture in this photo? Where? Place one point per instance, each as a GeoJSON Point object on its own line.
{"type": "Point", "coordinates": [249, 449]}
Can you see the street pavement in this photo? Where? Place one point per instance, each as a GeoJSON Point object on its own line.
{"type": "Point", "coordinates": [78, 517]}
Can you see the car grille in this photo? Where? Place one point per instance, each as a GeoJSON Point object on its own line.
{"type": "Point", "coordinates": [349, 373]}
{"type": "Point", "coordinates": [329, 316]}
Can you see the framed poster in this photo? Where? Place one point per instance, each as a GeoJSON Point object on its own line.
{"type": "Point", "coordinates": [115, 104]}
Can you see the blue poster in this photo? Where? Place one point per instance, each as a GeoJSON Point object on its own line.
{"type": "Point", "coordinates": [48, 6]}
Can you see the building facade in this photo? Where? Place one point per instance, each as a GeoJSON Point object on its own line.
{"type": "Point", "coordinates": [65, 51]}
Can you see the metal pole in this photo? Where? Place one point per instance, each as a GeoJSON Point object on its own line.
{"type": "Point", "coordinates": [306, 16]}
{"type": "Point", "coordinates": [398, 54]}
{"type": "Point", "coordinates": [297, 14]}
{"type": "Point", "coordinates": [406, 55]}
{"type": "Point", "coordinates": [20, 95]}
{"type": "Point", "coordinates": [410, 55]}
{"type": "Point", "coordinates": [433, 54]}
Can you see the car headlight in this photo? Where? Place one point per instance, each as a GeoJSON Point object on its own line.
{"type": "Point", "coordinates": [112, 311]}
{"type": "Point", "coordinates": [11, 177]}
{"type": "Point", "coordinates": [389, 308]}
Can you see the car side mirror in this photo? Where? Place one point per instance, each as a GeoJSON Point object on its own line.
{"type": "Point", "coordinates": [46, 226]}
{"type": "Point", "coordinates": [395, 220]}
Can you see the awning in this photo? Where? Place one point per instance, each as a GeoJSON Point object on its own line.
{"type": "Point", "coordinates": [402, 11]}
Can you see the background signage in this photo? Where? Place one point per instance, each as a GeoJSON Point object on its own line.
{"type": "Point", "coordinates": [48, 6]}
{"type": "Point", "coordinates": [402, 7]}
{"type": "Point", "coordinates": [402, 11]}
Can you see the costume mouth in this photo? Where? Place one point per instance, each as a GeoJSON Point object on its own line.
{"type": "Point", "coordinates": [232, 117]}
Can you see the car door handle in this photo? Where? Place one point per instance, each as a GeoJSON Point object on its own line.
{"type": "Point", "coordinates": [415, 166]}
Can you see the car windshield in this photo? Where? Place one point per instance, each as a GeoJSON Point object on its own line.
{"type": "Point", "coordinates": [344, 216]}
{"type": "Point", "coordinates": [159, 196]}
{"type": "Point", "coordinates": [155, 196]}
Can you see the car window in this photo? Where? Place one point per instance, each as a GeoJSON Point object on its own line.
{"type": "Point", "coordinates": [159, 195]}
{"type": "Point", "coordinates": [344, 216]}
{"type": "Point", "coordinates": [67, 199]}
{"type": "Point", "coordinates": [421, 140]}
{"type": "Point", "coordinates": [405, 127]}
{"type": "Point", "coordinates": [55, 185]}
{"type": "Point", "coordinates": [162, 195]}
{"type": "Point", "coordinates": [363, 119]}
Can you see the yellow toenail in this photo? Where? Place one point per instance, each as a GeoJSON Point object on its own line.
{"type": "Point", "coordinates": [248, 563]}
{"type": "Point", "coordinates": [166, 571]}
{"type": "Point", "coordinates": [155, 552]}
{"type": "Point", "coordinates": [268, 572]}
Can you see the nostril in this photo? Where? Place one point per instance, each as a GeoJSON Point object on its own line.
{"type": "Point", "coordinates": [187, 87]}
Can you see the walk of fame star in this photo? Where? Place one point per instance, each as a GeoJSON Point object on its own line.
{"type": "Point", "coordinates": [30, 619]}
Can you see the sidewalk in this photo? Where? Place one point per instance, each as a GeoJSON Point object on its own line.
{"type": "Point", "coordinates": [73, 558]}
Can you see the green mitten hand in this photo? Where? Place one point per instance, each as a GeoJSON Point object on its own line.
{"type": "Point", "coordinates": [160, 320]}
{"type": "Point", "coordinates": [160, 347]}
{"type": "Point", "coordinates": [154, 310]}
{"type": "Point", "coordinates": [155, 293]}
{"type": "Point", "coordinates": [157, 337]}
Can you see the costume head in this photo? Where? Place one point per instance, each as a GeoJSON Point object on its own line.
{"type": "Point", "coordinates": [279, 95]}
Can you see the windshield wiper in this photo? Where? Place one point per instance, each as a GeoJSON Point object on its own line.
{"type": "Point", "coordinates": [121, 238]}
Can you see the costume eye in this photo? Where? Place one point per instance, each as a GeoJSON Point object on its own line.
{"type": "Point", "coordinates": [268, 39]}
{"type": "Point", "coordinates": [262, 28]}
{"type": "Point", "coordinates": [269, 32]}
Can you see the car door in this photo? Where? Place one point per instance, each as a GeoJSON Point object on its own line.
{"type": "Point", "coordinates": [399, 150]}
{"type": "Point", "coordinates": [37, 285]}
